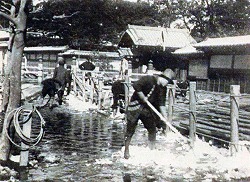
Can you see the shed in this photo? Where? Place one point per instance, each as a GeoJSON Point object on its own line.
{"type": "Point", "coordinates": [154, 43]}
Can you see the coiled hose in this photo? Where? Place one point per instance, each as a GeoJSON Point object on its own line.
{"type": "Point", "coordinates": [14, 116]}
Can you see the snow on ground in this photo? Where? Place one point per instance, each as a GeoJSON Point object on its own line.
{"type": "Point", "coordinates": [77, 103]}
{"type": "Point", "coordinates": [172, 156]}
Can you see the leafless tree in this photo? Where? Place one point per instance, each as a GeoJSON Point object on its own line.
{"type": "Point", "coordinates": [15, 12]}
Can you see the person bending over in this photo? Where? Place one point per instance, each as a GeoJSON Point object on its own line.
{"type": "Point", "coordinates": [150, 88]}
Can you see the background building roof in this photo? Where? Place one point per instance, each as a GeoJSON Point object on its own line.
{"type": "Point", "coordinates": [225, 41]}
{"type": "Point", "coordinates": [159, 36]}
{"type": "Point", "coordinates": [225, 45]}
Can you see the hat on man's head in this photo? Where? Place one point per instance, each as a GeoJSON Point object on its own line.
{"type": "Point", "coordinates": [61, 61]}
{"type": "Point", "coordinates": [168, 74]}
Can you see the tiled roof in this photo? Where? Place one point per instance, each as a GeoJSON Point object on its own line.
{"type": "Point", "coordinates": [225, 41]}
{"type": "Point", "coordinates": [159, 36]}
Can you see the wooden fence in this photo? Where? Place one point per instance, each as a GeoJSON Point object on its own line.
{"type": "Point", "coordinates": [90, 86]}
{"type": "Point", "coordinates": [220, 118]}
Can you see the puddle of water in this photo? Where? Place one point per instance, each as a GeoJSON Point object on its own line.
{"type": "Point", "coordinates": [71, 145]}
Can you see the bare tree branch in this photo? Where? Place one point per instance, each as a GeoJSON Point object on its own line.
{"type": "Point", "coordinates": [8, 18]}
{"type": "Point", "coordinates": [3, 8]}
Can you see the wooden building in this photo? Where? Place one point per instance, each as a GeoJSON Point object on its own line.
{"type": "Point", "coordinates": [48, 54]}
{"type": "Point", "coordinates": [154, 44]}
{"type": "Point", "coordinates": [217, 63]}
{"type": "Point", "coordinates": [195, 63]}
{"type": "Point", "coordinates": [100, 58]}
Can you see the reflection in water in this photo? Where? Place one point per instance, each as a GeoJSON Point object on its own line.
{"type": "Point", "coordinates": [72, 143]}
{"type": "Point", "coordinates": [127, 178]}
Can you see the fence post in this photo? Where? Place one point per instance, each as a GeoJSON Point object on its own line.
{"type": "Point", "coordinates": [208, 85]}
{"type": "Point", "coordinates": [1, 96]}
{"type": "Point", "coordinates": [192, 114]}
{"type": "Point", "coordinates": [234, 110]}
{"type": "Point", "coordinates": [84, 85]}
{"type": "Point", "coordinates": [74, 68]}
{"type": "Point", "coordinates": [92, 89]}
{"type": "Point", "coordinates": [170, 104]}
{"type": "Point", "coordinates": [40, 71]}
{"type": "Point", "coordinates": [150, 67]}
{"type": "Point", "coordinates": [127, 84]}
{"type": "Point", "coordinates": [24, 154]}
{"type": "Point", "coordinates": [100, 85]}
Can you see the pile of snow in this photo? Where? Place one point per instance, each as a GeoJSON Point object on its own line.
{"type": "Point", "coordinates": [77, 103]}
{"type": "Point", "coordinates": [176, 158]}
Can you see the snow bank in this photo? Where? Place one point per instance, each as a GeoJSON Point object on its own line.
{"type": "Point", "coordinates": [77, 103]}
{"type": "Point", "coordinates": [175, 158]}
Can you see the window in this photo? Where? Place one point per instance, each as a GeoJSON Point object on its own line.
{"type": "Point", "coordinates": [221, 61]}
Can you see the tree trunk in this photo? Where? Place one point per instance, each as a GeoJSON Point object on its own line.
{"type": "Point", "coordinates": [12, 83]}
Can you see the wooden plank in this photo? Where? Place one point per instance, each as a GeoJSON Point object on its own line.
{"type": "Point", "coordinates": [214, 132]}
{"type": "Point", "coordinates": [223, 126]}
{"type": "Point", "coordinates": [24, 155]}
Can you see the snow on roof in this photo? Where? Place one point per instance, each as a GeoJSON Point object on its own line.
{"type": "Point", "coordinates": [123, 51]}
{"type": "Point", "coordinates": [187, 50]}
{"type": "Point", "coordinates": [46, 48]}
{"type": "Point", "coordinates": [91, 53]}
{"type": "Point", "coordinates": [159, 36]}
{"type": "Point", "coordinates": [225, 41]}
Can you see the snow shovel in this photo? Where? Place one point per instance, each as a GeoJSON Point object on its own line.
{"type": "Point", "coordinates": [165, 120]}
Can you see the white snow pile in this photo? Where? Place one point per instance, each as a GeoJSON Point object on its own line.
{"type": "Point", "coordinates": [175, 158]}
{"type": "Point", "coordinates": [77, 103]}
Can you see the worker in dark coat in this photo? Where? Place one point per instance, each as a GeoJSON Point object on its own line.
{"type": "Point", "coordinates": [60, 75]}
{"type": "Point", "coordinates": [150, 88]}
{"type": "Point", "coordinates": [118, 91]}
